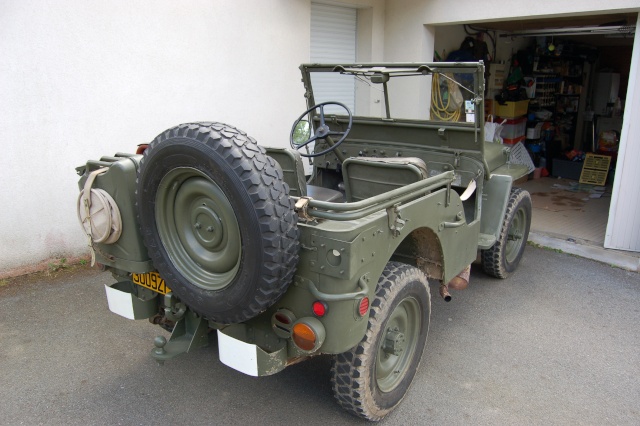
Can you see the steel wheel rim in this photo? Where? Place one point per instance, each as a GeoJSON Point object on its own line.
{"type": "Point", "coordinates": [198, 228]}
{"type": "Point", "coordinates": [391, 367]}
{"type": "Point", "coordinates": [515, 235]}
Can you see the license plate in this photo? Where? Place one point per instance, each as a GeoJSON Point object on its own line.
{"type": "Point", "coordinates": [152, 281]}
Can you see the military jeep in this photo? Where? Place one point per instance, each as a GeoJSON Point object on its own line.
{"type": "Point", "coordinates": [209, 234]}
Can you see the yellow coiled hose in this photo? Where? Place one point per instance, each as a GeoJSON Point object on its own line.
{"type": "Point", "coordinates": [440, 110]}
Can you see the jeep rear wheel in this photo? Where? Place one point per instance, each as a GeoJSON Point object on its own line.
{"type": "Point", "coordinates": [371, 379]}
{"type": "Point", "coordinates": [217, 220]}
{"type": "Point", "coordinates": [503, 258]}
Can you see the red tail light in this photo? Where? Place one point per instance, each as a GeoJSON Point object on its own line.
{"type": "Point", "coordinates": [319, 308]}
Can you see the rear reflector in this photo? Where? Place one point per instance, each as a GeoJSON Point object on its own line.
{"type": "Point", "coordinates": [363, 306]}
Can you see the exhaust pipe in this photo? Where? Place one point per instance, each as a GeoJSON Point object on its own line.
{"type": "Point", "coordinates": [459, 282]}
{"type": "Point", "coordinates": [444, 292]}
{"type": "Point", "coordinates": [456, 283]}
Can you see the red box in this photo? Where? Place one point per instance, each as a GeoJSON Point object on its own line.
{"type": "Point", "coordinates": [513, 141]}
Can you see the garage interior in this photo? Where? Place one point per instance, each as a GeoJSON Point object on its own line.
{"type": "Point", "coordinates": [559, 87]}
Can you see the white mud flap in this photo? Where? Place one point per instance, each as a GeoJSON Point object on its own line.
{"type": "Point", "coordinates": [238, 355]}
{"type": "Point", "coordinates": [127, 305]}
{"type": "Point", "coordinates": [246, 357]}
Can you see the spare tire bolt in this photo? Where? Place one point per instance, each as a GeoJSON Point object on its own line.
{"type": "Point", "coordinates": [197, 225]}
{"type": "Point", "coordinates": [210, 229]}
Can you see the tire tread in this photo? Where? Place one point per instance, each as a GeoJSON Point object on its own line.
{"type": "Point", "coordinates": [263, 183]}
{"type": "Point", "coordinates": [349, 378]}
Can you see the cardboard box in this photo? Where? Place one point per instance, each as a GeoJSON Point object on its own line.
{"type": "Point", "coordinates": [512, 109]}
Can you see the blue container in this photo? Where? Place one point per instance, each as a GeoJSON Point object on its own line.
{"type": "Point", "coordinates": [534, 147]}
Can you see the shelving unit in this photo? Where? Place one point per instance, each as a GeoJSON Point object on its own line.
{"type": "Point", "coordinates": [546, 88]}
{"type": "Point", "coordinates": [561, 88]}
{"type": "Point", "coordinates": [566, 114]}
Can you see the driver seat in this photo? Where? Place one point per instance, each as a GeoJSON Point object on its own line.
{"type": "Point", "coordinates": [290, 162]}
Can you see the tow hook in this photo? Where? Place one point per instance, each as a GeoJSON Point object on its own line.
{"type": "Point", "coordinates": [173, 310]}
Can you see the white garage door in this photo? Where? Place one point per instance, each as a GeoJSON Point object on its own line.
{"type": "Point", "coordinates": [333, 40]}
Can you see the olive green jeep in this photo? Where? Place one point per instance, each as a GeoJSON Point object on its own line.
{"type": "Point", "coordinates": [206, 231]}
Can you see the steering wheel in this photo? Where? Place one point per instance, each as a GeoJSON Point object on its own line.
{"type": "Point", "coordinates": [322, 131]}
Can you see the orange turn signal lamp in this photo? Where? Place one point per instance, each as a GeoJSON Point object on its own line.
{"type": "Point", "coordinates": [308, 334]}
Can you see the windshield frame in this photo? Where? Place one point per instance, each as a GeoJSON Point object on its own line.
{"type": "Point", "coordinates": [397, 70]}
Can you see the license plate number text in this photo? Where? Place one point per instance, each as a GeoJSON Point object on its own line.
{"type": "Point", "coordinates": [152, 281]}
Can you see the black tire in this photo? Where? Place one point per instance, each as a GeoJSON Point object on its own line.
{"type": "Point", "coordinates": [503, 258]}
{"type": "Point", "coordinates": [217, 220]}
{"type": "Point", "coordinates": [364, 379]}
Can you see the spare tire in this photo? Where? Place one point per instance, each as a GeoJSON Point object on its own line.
{"type": "Point", "coordinates": [217, 220]}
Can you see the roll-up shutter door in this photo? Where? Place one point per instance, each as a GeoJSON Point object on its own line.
{"type": "Point", "coordinates": [333, 40]}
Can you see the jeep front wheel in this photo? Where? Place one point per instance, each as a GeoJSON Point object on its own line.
{"type": "Point", "coordinates": [371, 379]}
{"type": "Point", "coordinates": [503, 258]}
{"type": "Point", "coordinates": [217, 220]}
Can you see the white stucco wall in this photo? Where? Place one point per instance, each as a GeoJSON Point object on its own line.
{"type": "Point", "coordinates": [81, 79]}
{"type": "Point", "coordinates": [407, 39]}
{"type": "Point", "coordinates": [370, 38]}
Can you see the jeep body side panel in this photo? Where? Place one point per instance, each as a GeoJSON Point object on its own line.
{"type": "Point", "coordinates": [343, 257]}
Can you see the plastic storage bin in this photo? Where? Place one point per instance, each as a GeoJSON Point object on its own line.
{"type": "Point", "coordinates": [513, 128]}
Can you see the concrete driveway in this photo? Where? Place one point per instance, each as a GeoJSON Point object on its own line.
{"type": "Point", "coordinates": [557, 343]}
